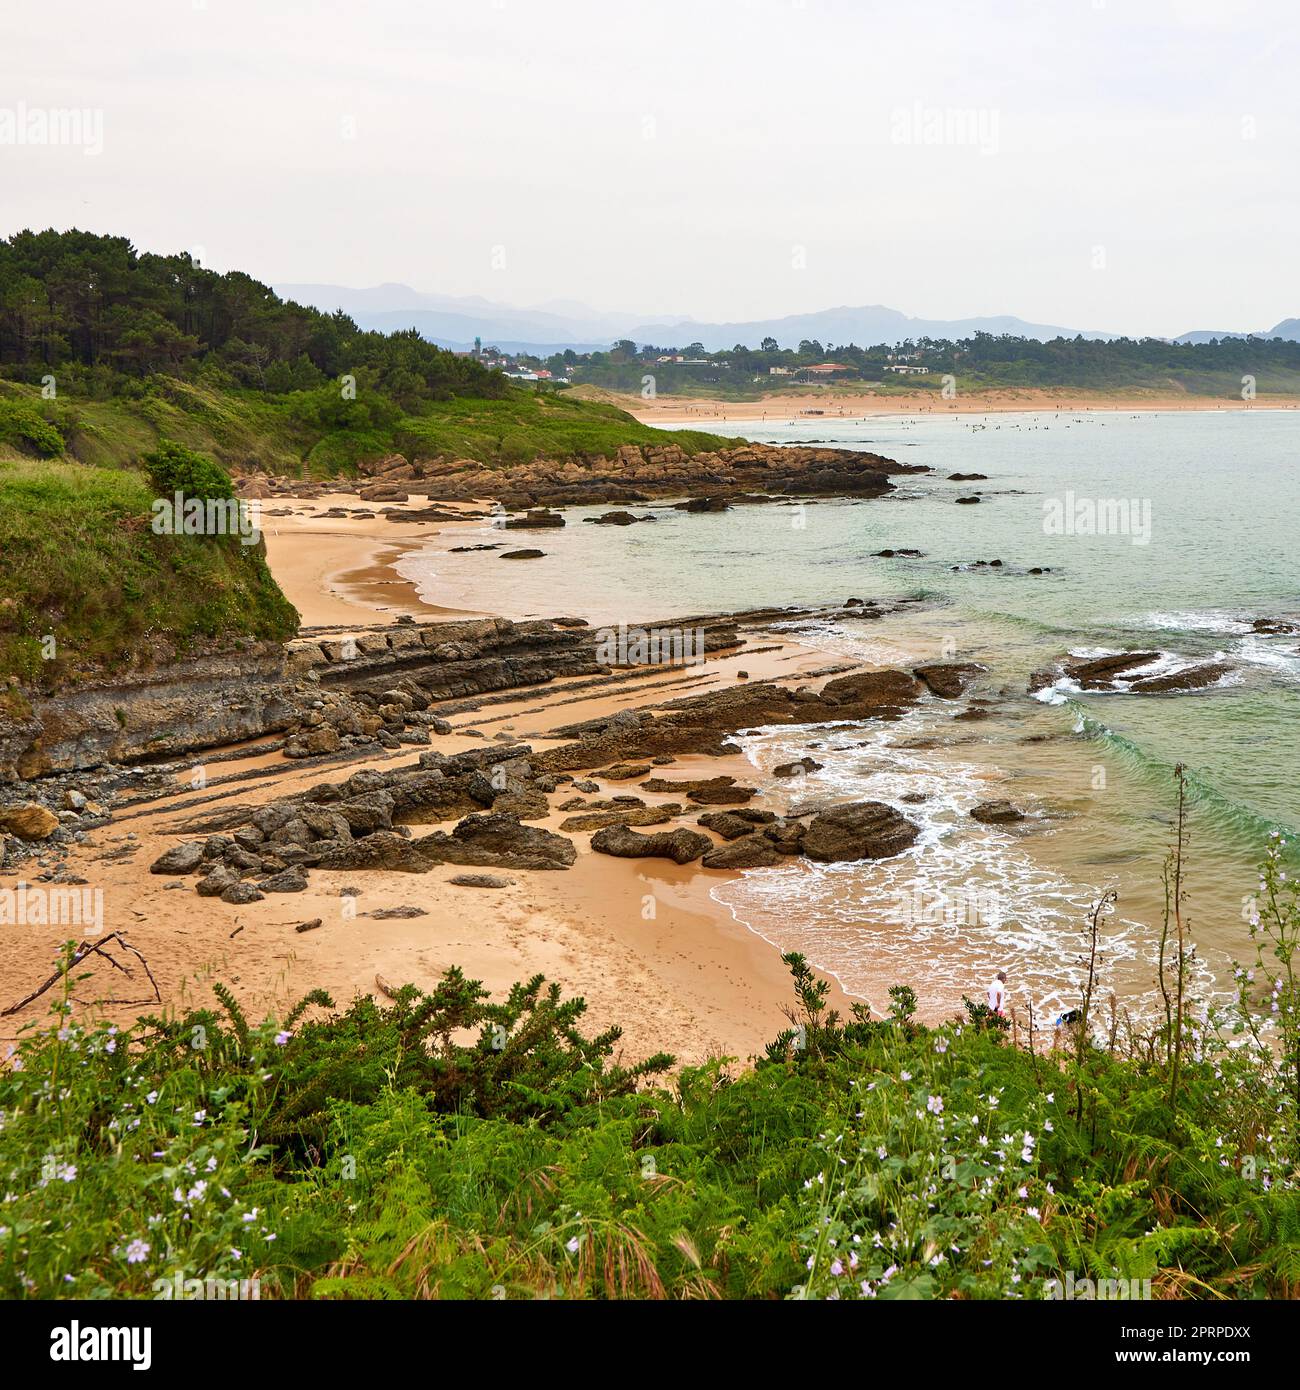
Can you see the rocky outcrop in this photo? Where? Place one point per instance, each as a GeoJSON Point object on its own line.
{"type": "Point", "coordinates": [633, 473]}
{"type": "Point", "coordinates": [1120, 672]}
{"type": "Point", "coordinates": [858, 830]}
{"type": "Point", "coordinates": [748, 852]}
{"type": "Point", "coordinates": [731, 825]}
{"type": "Point", "coordinates": [708, 791]}
{"type": "Point", "coordinates": [1188, 678]}
{"type": "Point", "coordinates": [948, 680]}
{"type": "Point", "coordinates": [680, 845]}
{"type": "Point", "coordinates": [997, 813]}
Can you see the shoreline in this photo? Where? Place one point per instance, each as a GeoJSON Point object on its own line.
{"type": "Point", "coordinates": [823, 403]}
{"type": "Point", "coordinates": [690, 978]}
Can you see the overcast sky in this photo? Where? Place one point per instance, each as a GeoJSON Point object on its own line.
{"type": "Point", "coordinates": [1123, 165]}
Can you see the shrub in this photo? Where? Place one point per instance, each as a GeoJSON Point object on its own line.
{"type": "Point", "coordinates": [174, 468]}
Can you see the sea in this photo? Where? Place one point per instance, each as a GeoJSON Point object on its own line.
{"type": "Point", "coordinates": [1169, 533]}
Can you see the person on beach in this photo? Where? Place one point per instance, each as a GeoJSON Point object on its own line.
{"type": "Point", "coordinates": [998, 994]}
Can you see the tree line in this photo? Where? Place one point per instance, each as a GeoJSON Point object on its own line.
{"type": "Point", "coordinates": [93, 307]}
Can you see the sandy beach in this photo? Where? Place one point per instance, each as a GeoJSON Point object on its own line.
{"type": "Point", "coordinates": [826, 402]}
{"type": "Point", "coordinates": [641, 940]}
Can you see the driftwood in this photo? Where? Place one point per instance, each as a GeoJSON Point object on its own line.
{"type": "Point", "coordinates": [384, 987]}
{"type": "Point", "coordinates": [308, 926]}
{"type": "Point", "coordinates": [83, 951]}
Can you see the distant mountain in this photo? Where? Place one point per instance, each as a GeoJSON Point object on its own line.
{"type": "Point", "coordinates": [454, 322]}
{"type": "Point", "coordinates": [865, 326]}
{"type": "Point", "coordinates": [1288, 328]}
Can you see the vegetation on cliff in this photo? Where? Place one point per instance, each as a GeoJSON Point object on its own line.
{"type": "Point", "coordinates": [88, 586]}
{"type": "Point", "coordinates": [104, 350]}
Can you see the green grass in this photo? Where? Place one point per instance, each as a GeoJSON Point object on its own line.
{"type": "Point", "coordinates": [87, 586]}
{"type": "Point", "coordinates": [245, 429]}
{"type": "Point", "coordinates": [528, 426]}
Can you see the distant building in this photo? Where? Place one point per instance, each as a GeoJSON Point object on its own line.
{"type": "Point", "coordinates": [778, 371]}
{"type": "Point", "coordinates": [903, 369]}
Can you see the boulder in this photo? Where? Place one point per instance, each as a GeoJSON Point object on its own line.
{"type": "Point", "coordinates": [30, 821]}
{"type": "Point", "coordinates": [366, 814]}
{"type": "Point", "coordinates": [708, 791]}
{"type": "Point", "coordinates": [322, 739]}
{"type": "Point", "coordinates": [681, 845]}
{"type": "Point", "coordinates": [622, 815]}
{"type": "Point", "coordinates": [497, 840]}
{"type": "Point", "coordinates": [180, 859]}
{"type": "Point", "coordinates": [996, 813]}
{"type": "Point", "coordinates": [731, 825]}
{"type": "Point", "coordinates": [749, 852]}
{"type": "Point", "coordinates": [217, 882]}
{"type": "Point", "coordinates": [291, 880]}
{"type": "Point", "coordinates": [480, 881]}
{"type": "Point", "coordinates": [797, 769]}
{"type": "Point", "coordinates": [1189, 678]}
{"type": "Point", "coordinates": [241, 893]}
{"type": "Point", "coordinates": [623, 772]}
{"type": "Point", "coordinates": [948, 679]}
{"type": "Point", "coordinates": [383, 849]}
{"type": "Point", "coordinates": [858, 830]}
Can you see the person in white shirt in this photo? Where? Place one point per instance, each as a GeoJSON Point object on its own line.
{"type": "Point", "coordinates": [998, 993]}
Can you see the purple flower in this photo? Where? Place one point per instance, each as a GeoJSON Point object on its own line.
{"type": "Point", "coordinates": [136, 1251]}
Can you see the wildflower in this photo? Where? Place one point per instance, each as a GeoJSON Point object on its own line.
{"type": "Point", "coordinates": [934, 1104]}
{"type": "Point", "coordinates": [941, 1045]}
{"type": "Point", "coordinates": [837, 1268]}
{"type": "Point", "coordinates": [571, 1245]}
{"type": "Point", "coordinates": [282, 1038]}
{"type": "Point", "coordinates": [882, 1152]}
{"type": "Point", "coordinates": [136, 1251]}
{"type": "Point", "coordinates": [1048, 1126]}
{"type": "Point", "coordinates": [904, 1075]}
{"type": "Point", "coordinates": [200, 1116]}
{"type": "Point", "coordinates": [1032, 1212]}
{"type": "Point", "coordinates": [151, 1097]}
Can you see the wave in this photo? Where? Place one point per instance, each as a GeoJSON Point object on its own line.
{"type": "Point", "coordinates": [1248, 827]}
{"type": "Point", "coordinates": [965, 900]}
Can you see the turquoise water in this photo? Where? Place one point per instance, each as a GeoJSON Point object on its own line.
{"type": "Point", "coordinates": [1213, 500]}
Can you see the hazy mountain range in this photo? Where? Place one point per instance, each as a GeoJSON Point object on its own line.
{"type": "Point", "coordinates": [1288, 328]}
{"type": "Point", "coordinates": [455, 321]}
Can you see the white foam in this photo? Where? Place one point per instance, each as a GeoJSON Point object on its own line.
{"type": "Point", "coordinates": [857, 921]}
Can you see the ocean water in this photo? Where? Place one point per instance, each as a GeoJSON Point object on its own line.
{"type": "Point", "coordinates": [1198, 514]}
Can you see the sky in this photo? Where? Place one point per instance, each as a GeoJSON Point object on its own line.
{"type": "Point", "coordinates": [1126, 166]}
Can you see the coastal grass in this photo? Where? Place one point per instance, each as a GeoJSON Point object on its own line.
{"type": "Point", "coordinates": [443, 1146]}
{"type": "Point", "coordinates": [86, 585]}
{"type": "Point", "coordinates": [316, 434]}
